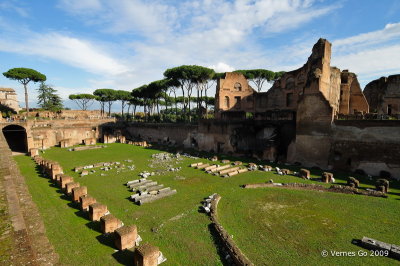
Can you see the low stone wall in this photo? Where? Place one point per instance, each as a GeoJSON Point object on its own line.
{"type": "Point", "coordinates": [333, 188]}
{"type": "Point", "coordinates": [167, 133]}
{"type": "Point", "coordinates": [236, 254]}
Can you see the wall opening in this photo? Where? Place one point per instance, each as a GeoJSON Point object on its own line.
{"type": "Point", "coordinates": [16, 138]}
{"type": "Point", "coordinates": [226, 102]}
{"type": "Point", "coordinates": [238, 103]}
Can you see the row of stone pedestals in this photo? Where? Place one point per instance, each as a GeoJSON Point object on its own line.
{"type": "Point", "coordinates": [125, 237]}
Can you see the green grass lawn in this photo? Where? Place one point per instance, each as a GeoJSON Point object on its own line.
{"type": "Point", "coordinates": [182, 233]}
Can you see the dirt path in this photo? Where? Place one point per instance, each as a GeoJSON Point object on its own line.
{"type": "Point", "coordinates": [30, 243]}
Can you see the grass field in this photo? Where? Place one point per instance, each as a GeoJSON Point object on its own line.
{"type": "Point", "coordinates": [271, 226]}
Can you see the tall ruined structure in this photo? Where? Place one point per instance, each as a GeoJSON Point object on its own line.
{"type": "Point", "coordinates": [383, 95]}
{"type": "Point", "coordinates": [341, 90]}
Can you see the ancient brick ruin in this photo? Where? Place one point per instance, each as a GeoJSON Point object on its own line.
{"type": "Point", "coordinates": [383, 95]}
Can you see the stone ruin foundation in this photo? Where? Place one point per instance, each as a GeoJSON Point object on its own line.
{"type": "Point", "coordinates": [109, 223]}
{"type": "Point", "coordinates": [85, 201]}
{"type": "Point", "coordinates": [146, 255]}
{"type": "Point", "coordinates": [78, 192]}
{"type": "Point", "coordinates": [96, 211]}
{"type": "Point", "coordinates": [125, 237]}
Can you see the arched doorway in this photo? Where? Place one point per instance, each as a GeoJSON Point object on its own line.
{"type": "Point", "coordinates": [16, 138]}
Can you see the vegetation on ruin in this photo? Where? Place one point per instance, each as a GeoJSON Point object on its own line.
{"type": "Point", "coordinates": [270, 224]}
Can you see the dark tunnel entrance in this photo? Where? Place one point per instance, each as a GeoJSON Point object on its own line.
{"type": "Point", "coordinates": [16, 138]}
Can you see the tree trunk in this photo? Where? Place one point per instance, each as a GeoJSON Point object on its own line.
{"type": "Point", "coordinates": [176, 105]}
{"type": "Point", "coordinates": [129, 108]}
{"type": "Point", "coordinates": [26, 100]}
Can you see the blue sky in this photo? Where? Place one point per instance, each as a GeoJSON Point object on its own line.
{"type": "Point", "coordinates": [82, 45]}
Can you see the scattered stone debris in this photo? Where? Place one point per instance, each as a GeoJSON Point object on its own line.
{"type": "Point", "coordinates": [381, 247]}
{"type": "Point", "coordinates": [83, 148]}
{"type": "Point", "coordinates": [165, 162]}
{"type": "Point", "coordinates": [206, 203]}
{"type": "Point", "coordinates": [104, 166]}
{"type": "Point", "coordinates": [148, 191]}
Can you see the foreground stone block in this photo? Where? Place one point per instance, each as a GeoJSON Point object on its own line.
{"type": "Point", "coordinates": [85, 201]}
{"type": "Point", "coordinates": [96, 211]}
{"type": "Point", "coordinates": [146, 255]}
{"type": "Point", "coordinates": [64, 180]}
{"type": "Point", "coordinates": [125, 237]}
{"type": "Point", "coordinates": [89, 141]}
{"type": "Point", "coordinates": [109, 223]}
{"type": "Point", "coordinates": [286, 171]}
{"type": "Point", "coordinates": [305, 173]}
{"type": "Point", "coordinates": [382, 185]}
{"type": "Point", "coordinates": [65, 143]}
{"type": "Point", "coordinates": [327, 177]}
{"type": "Point", "coordinates": [56, 169]}
{"type": "Point", "coordinates": [34, 152]}
{"type": "Point", "coordinates": [352, 182]}
{"type": "Point", "coordinates": [78, 192]}
{"type": "Point", "coordinates": [70, 186]}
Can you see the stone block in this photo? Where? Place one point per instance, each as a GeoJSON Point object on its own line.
{"type": "Point", "coordinates": [89, 141]}
{"type": "Point", "coordinates": [65, 143]}
{"type": "Point", "coordinates": [125, 237]}
{"type": "Point", "coordinates": [286, 171]}
{"type": "Point", "coordinates": [70, 186]}
{"type": "Point", "coordinates": [85, 201]}
{"type": "Point", "coordinates": [96, 211]}
{"type": "Point", "coordinates": [109, 223]}
{"type": "Point", "coordinates": [146, 255]}
{"type": "Point", "coordinates": [327, 177]}
{"type": "Point", "coordinates": [382, 185]}
{"type": "Point", "coordinates": [202, 166]}
{"type": "Point", "coordinates": [305, 173]}
{"type": "Point", "coordinates": [34, 152]}
{"type": "Point", "coordinates": [352, 182]}
{"type": "Point", "coordinates": [55, 170]}
{"type": "Point", "coordinates": [78, 192]}
{"type": "Point", "coordinates": [64, 180]}
{"type": "Point", "coordinates": [225, 171]}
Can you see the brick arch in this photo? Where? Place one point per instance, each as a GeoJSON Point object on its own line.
{"type": "Point", "coordinates": [16, 137]}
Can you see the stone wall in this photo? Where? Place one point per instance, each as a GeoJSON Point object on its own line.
{"type": "Point", "coordinates": [383, 95]}
{"type": "Point", "coordinates": [44, 134]}
{"type": "Point", "coordinates": [373, 146]}
{"type": "Point", "coordinates": [8, 98]}
{"type": "Point", "coordinates": [172, 133]}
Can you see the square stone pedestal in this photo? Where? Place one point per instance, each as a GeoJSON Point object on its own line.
{"type": "Point", "coordinates": [109, 223]}
{"type": "Point", "coordinates": [146, 255]}
{"type": "Point", "coordinates": [96, 211]}
{"type": "Point", "coordinates": [125, 237]}
{"type": "Point", "coordinates": [78, 192]}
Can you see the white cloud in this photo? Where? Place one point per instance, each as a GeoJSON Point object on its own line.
{"type": "Point", "coordinates": [222, 67]}
{"type": "Point", "coordinates": [68, 50]}
{"type": "Point", "coordinates": [388, 33]}
{"type": "Point", "coordinates": [370, 55]}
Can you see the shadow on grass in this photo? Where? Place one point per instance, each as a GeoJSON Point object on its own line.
{"type": "Point", "coordinates": [219, 245]}
{"type": "Point", "coordinates": [107, 240]}
{"type": "Point", "coordinates": [95, 226]}
{"type": "Point", "coordinates": [124, 257]}
{"type": "Point", "coordinates": [82, 214]}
